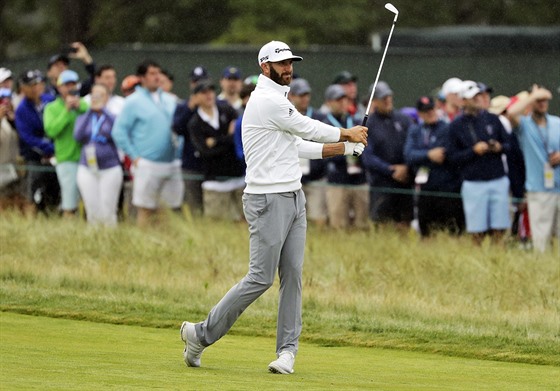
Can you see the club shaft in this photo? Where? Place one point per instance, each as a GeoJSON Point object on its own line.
{"type": "Point", "coordinates": [379, 71]}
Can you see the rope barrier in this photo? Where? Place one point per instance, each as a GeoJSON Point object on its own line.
{"type": "Point", "coordinates": [319, 183]}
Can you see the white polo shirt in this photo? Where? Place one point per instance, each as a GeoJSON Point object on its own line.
{"type": "Point", "coordinates": [272, 132]}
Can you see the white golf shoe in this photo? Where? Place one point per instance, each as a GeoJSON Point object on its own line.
{"type": "Point", "coordinates": [284, 364]}
{"type": "Point", "coordinates": [193, 347]}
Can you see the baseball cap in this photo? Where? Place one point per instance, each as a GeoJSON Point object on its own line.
{"type": "Point", "coordinates": [67, 76]}
{"type": "Point", "coordinates": [130, 82]}
{"type": "Point", "coordinates": [499, 104]}
{"type": "Point", "coordinates": [203, 85]}
{"type": "Point", "coordinates": [344, 77]}
{"type": "Point", "coordinates": [382, 90]}
{"type": "Point", "coordinates": [334, 92]}
{"type": "Point", "coordinates": [199, 73]}
{"type": "Point", "coordinates": [470, 89]}
{"type": "Point", "coordinates": [231, 73]}
{"type": "Point", "coordinates": [56, 58]}
{"type": "Point", "coordinates": [5, 74]}
{"type": "Point", "coordinates": [31, 76]}
{"type": "Point", "coordinates": [484, 88]}
{"type": "Point", "coordinates": [276, 51]}
{"type": "Point", "coordinates": [300, 87]}
{"type": "Point", "coordinates": [425, 103]}
{"type": "Point", "coordinates": [452, 86]}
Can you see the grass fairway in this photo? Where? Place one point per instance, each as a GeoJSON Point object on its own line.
{"type": "Point", "coordinates": [46, 353]}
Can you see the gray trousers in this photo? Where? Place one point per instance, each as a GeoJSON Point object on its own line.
{"type": "Point", "coordinates": [277, 228]}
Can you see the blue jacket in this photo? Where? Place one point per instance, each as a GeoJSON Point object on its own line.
{"type": "Point", "coordinates": [337, 167]}
{"type": "Point", "coordinates": [33, 143]}
{"type": "Point", "coordinates": [386, 139]}
{"type": "Point", "coordinates": [143, 129]}
{"type": "Point", "coordinates": [420, 139]}
{"type": "Point", "coordinates": [464, 132]}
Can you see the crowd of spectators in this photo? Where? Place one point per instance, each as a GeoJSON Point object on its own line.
{"type": "Point", "coordinates": [459, 161]}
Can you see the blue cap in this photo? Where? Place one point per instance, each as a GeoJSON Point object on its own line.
{"type": "Point", "coordinates": [67, 76]}
{"type": "Point", "coordinates": [231, 73]}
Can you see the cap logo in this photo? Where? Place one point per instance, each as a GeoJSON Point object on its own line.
{"type": "Point", "coordinates": [263, 59]}
{"type": "Point", "coordinates": [278, 50]}
{"type": "Point", "coordinates": [425, 100]}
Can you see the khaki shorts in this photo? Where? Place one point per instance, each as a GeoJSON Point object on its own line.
{"type": "Point", "coordinates": [348, 206]}
{"type": "Point", "coordinates": [157, 184]}
{"type": "Point", "coordinates": [316, 195]}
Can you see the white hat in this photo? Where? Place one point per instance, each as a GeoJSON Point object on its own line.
{"type": "Point", "coordinates": [452, 86]}
{"type": "Point", "coordinates": [5, 74]}
{"type": "Point", "coordinates": [470, 89]}
{"type": "Point", "coordinates": [275, 51]}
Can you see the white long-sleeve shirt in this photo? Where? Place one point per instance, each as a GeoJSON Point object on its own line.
{"type": "Point", "coordinates": [272, 132]}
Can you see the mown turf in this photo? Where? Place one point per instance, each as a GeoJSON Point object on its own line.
{"type": "Point", "coordinates": [48, 354]}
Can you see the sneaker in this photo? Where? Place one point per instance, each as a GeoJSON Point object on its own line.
{"type": "Point", "coordinates": [284, 364]}
{"type": "Point", "coordinates": [193, 347]}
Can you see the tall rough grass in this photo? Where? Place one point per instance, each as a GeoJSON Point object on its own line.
{"type": "Point", "coordinates": [379, 288]}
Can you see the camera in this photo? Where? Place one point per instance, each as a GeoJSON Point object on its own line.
{"type": "Point", "coordinates": [74, 92]}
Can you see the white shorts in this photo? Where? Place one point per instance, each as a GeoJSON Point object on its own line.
{"type": "Point", "coordinates": [157, 183]}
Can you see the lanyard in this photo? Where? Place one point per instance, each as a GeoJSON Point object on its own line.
{"type": "Point", "coordinates": [96, 123]}
{"type": "Point", "coordinates": [334, 121]}
{"type": "Point", "coordinates": [309, 112]}
{"type": "Point", "coordinates": [543, 136]}
{"type": "Point", "coordinates": [427, 135]}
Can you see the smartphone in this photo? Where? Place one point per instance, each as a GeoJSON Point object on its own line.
{"type": "Point", "coordinates": [74, 92]}
{"type": "Point", "coordinates": [69, 49]}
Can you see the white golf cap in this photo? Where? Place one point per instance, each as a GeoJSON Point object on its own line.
{"type": "Point", "coordinates": [275, 51]}
{"type": "Point", "coordinates": [470, 89]}
{"type": "Point", "coordinates": [5, 74]}
{"type": "Point", "coordinates": [452, 86]}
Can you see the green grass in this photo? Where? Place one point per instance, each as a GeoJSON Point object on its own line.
{"type": "Point", "coordinates": [45, 353]}
{"type": "Point", "coordinates": [376, 289]}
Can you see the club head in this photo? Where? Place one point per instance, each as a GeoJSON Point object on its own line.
{"type": "Point", "coordinates": [393, 9]}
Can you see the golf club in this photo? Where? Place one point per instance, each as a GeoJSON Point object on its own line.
{"type": "Point", "coordinates": [394, 10]}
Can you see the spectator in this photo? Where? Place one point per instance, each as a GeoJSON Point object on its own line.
{"type": "Point", "coordinates": [231, 84]}
{"type": "Point", "coordinates": [60, 62]}
{"type": "Point", "coordinates": [211, 131]}
{"type": "Point", "coordinates": [10, 181]}
{"type": "Point", "coordinates": [100, 174]}
{"type": "Point", "coordinates": [191, 161]}
{"type": "Point", "coordinates": [477, 140]}
{"type": "Point", "coordinates": [107, 75]}
{"type": "Point", "coordinates": [539, 137]}
{"type": "Point", "coordinates": [349, 82]}
{"type": "Point", "coordinates": [42, 190]}
{"type": "Point", "coordinates": [143, 132]}
{"type": "Point", "coordinates": [426, 155]}
{"type": "Point", "coordinates": [451, 90]}
{"type": "Point", "coordinates": [245, 94]}
{"type": "Point", "coordinates": [313, 170]}
{"type": "Point", "coordinates": [390, 186]}
{"type": "Point", "coordinates": [128, 85]}
{"type": "Point", "coordinates": [60, 117]}
{"type": "Point", "coordinates": [513, 162]}
{"type": "Point", "coordinates": [347, 201]}
{"type": "Point", "coordinates": [166, 83]}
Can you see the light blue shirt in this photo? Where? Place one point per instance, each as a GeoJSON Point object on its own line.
{"type": "Point", "coordinates": [536, 144]}
{"type": "Point", "coordinates": [143, 129]}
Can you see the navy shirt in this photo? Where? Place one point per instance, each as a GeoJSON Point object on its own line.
{"type": "Point", "coordinates": [386, 139]}
{"type": "Point", "coordinates": [464, 132]}
{"type": "Point", "coordinates": [421, 138]}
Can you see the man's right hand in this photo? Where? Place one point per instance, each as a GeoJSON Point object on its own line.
{"type": "Point", "coordinates": [72, 102]}
{"type": "Point", "coordinates": [400, 172]}
{"type": "Point", "coordinates": [357, 134]}
{"type": "Point", "coordinates": [481, 147]}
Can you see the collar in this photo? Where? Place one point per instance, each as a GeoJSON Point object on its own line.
{"type": "Point", "coordinates": [265, 82]}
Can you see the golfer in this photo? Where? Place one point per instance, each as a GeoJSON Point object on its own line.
{"type": "Point", "coordinates": [274, 137]}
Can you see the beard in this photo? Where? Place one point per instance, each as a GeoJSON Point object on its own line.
{"type": "Point", "coordinates": [283, 79]}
